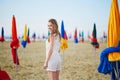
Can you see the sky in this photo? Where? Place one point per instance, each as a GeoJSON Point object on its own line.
{"type": "Point", "coordinates": [80, 14]}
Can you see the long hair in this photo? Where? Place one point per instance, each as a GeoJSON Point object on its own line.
{"type": "Point", "coordinates": [55, 28]}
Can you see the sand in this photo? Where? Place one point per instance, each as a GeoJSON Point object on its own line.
{"type": "Point", "coordinates": [80, 62]}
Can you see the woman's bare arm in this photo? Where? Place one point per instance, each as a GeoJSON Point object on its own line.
{"type": "Point", "coordinates": [50, 49]}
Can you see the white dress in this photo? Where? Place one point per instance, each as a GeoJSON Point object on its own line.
{"type": "Point", "coordinates": [54, 62]}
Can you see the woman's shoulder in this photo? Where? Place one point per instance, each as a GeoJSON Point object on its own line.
{"type": "Point", "coordinates": [54, 36]}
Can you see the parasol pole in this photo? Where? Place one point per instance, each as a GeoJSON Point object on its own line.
{"type": "Point", "coordinates": [16, 61]}
{"type": "Point", "coordinates": [111, 75]}
{"type": "Point", "coordinates": [117, 71]}
{"type": "Point", "coordinates": [63, 57]}
{"type": "Point", "coordinates": [22, 53]}
{"type": "Point", "coordinates": [116, 74]}
{"type": "Point", "coordinates": [74, 48]}
{"type": "Point", "coordinates": [2, 46]}
{"type": "Point", "coordinates": [62, 61]}
{"type": "Point", "coordinates": [94, 52]}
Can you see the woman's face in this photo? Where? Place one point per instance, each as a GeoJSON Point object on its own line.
{"type": "Point", "coordinates": [50, 27]}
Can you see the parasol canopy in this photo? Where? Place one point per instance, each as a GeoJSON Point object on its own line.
{"type": "Point", "coordinates": [114, 30]}
{"type": "Point", "coordinates": [64, 44]}
{"type": "Point", "coordinates": [15, 42]}
{"type": "Point", "coordinates": [2, 35]}
{"type": "Point", "coordinates": [24, 41]}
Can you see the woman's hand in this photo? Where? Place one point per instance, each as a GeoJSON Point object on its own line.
{"type": "Point", "coordinates": [59, 51]}
{"type": "Point", "coordinates": [45, 65]}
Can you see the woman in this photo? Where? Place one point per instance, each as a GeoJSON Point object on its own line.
{"type": "Point", "coordinates": [53, 61]}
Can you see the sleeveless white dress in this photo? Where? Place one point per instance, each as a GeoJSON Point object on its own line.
{"type": "Point", "coordinates": [54, 62]}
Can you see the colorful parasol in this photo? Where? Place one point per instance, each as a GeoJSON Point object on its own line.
{"type": "Point", "coordinates": [110, 57]}
{"type": "Point", "coordinates": [28, 38]}
{"type": "Point", "coordinates": [34, 36]}
{"type": "Point", "coordinates": [114, 30]}
{"type": "Point", "coordinates": [75, 36]}
{"type": "Point", "coordinates": [24, 41]}
{"type": "Point", "coordinates": [15, 42]}
{"type": "Point", "coordinates": [2, 35]}
{"type": "Point", "coordinates": [82, 37]}
{"type": "Point", "coordinates": [64, 44]}
{"type": "Point", "coordinates": [48, 32]}
{"type": "Point", "coordinates": [4, 75]}
{"type": "Point", "coordinates": [94, 37]}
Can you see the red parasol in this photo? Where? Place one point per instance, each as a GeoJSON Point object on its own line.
{"type": "Point", "coordinates": [15, 42]}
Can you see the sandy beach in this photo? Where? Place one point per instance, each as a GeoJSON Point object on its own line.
{"type": "Point", "coordinates": [80, 62]}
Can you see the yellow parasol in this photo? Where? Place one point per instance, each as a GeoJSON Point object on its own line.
{"type": "Point", "coordinates": [114, 30]}
{"type": "Point", "coordinates": [24, 41]}
{"type": "Point", "coordinates": [25, 33]}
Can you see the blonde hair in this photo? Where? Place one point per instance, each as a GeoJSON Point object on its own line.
{"type": "Point", "coordinates": [55, 28]}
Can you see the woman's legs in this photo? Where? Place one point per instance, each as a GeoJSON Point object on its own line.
{"type": "Point", "coordinates": [57, 75]}
{"type": "Point", "coordinates": [53, 75]}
